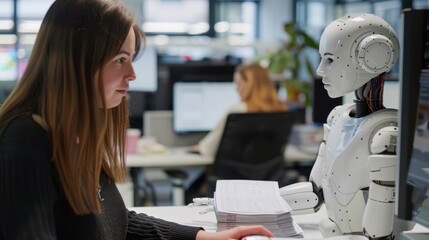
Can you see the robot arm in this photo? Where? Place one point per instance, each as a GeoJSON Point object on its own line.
{"type": "Point", "coordinates": [381, 200]}
{"type": "Point", "coordinates": [317, 172]}
{"type": "Point", "coordinates": [303, 197]}
{"type": "Point", "coordinates": [307, 197]}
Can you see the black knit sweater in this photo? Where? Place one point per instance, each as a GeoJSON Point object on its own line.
{"type": "Point", "coordinates": [33, 204]}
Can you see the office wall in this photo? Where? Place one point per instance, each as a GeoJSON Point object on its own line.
{"type": "Point", "coordinates": [274, 13]}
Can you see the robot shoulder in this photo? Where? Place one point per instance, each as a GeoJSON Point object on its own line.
{"type": "Point", "coordinates": [384, 140]}
{"type": "Point", "coordinates": [335, 112]}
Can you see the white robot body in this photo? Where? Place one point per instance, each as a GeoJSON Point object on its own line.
{"type": "Point", "coordinates": [300, 197]}
{"type": "Point", "coordinates": [354, 172]}
{"type": "Point", "coordinates": [343, 170]}
{"type": "Point", "coordinates": [345, 219]}
{"type": "Point", "coordinates": [316, 174]}
{"type": "Point", "coordinates": [346, 171]}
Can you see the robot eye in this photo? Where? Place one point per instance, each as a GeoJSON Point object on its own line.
{"type": "Point", "coordinates": [330, 60]}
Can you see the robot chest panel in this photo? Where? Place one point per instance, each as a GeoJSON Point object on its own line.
{"type": "Point", "coordinates": [347, 151]}
{"type": "Point", "coordinates": [346, 166]}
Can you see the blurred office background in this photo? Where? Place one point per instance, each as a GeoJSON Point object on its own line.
{"type": "Point", "coordinates": [215, 34]}
{"type": "Point", "coordinates": [221, 33]}
{"type": "Point", "coordinates": [202, 41]}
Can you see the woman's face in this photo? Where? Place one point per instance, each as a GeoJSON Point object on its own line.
{"type": "Point", "coordinates": [240, 84]}
{"type": "Point", "coordinates": [117, 73]}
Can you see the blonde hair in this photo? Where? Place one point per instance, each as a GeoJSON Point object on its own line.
{"type": "Point", "coordinates": [260, 94]}
{"type": "Point", "coordinates": [76, 39]}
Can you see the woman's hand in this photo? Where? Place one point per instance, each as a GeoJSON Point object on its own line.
{"type": "Point", "coordinates": [234, 233]}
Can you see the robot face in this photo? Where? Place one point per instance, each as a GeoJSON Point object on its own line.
{"type": "Point", "coordinates": [354, 49]}
{"type": "Point", "coordinates": [334, 67]}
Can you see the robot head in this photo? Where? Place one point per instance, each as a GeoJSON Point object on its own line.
{"type": "Point", "coordinates": [354, 49]}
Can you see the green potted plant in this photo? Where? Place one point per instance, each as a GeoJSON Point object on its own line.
{"type": "Point", "coordinates": [287, 61]}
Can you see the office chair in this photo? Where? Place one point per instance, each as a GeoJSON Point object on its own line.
{"type": "Point", "coordinates": [252, 147]}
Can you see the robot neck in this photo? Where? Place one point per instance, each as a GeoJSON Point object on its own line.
{"type": "Point", "coordinates": [362, 108]}
{"type": "Point", "coordinates": [369, 97]}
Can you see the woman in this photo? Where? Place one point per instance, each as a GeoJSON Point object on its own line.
{"type": "Point", "coordinates": [63, 128]}
{"type": "Point", "coordinates": [257, 94]}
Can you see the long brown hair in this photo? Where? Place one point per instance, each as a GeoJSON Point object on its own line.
{"type": "Point", "coordinates": [77, 38]}
{"type": "Point", "coordinates": [260, 95]}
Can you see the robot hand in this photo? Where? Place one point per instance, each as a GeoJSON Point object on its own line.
{"type": "Point", "coordinates": [307, 197]}
{"type": "Point", "coordinates": [302, 197]}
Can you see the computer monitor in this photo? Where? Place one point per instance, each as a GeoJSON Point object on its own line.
{"type": "Point", "coordinates": [198, 106]}
{"type": "Point", "coordinates": [412, 184]}
{"type": "Point", "coordinates": [198, 71]}
{"type": "Point", "coordinates": [8, 70]}
{"type": "Point", "coordinates": [322, 102]}
{"type": "Point", "coordinates": [418, 172]}
{"type": "Point", "coordinates": [8, 63]}
{"type": "Point", "coordinates": [146, 69]}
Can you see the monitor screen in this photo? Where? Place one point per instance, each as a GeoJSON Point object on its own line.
{"type": "Point", "coordinates": [418, 172]}
{"type": "Point", "coordinates": [198, 106]}
{"type": "Point", "coordinates": [146, 69]}
{"type": "Point", "coordinates": [322, 102]}
{"type": "Point", "coordinates": [8, 63]}
{"type": "Point", "coordinates": [200, 71]}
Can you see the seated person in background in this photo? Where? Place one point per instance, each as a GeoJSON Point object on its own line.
{"type": "Point", "coordinates": [257, 94]}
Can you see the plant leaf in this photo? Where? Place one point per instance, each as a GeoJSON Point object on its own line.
{"type": "Point", "coordinates": [290, 30]}
{"type": "Point", "coordinates": [309, 40]}
{"type": "Point", "coordinates": [309, 67]}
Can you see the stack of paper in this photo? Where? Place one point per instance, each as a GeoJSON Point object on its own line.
{"type": "Point", "coordinates": [248, 202]}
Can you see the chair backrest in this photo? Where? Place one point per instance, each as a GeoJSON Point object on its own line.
{"type": "Point", "coordinates": [252, 146]}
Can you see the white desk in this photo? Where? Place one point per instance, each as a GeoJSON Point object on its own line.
{"type": "Point", "coordinates": [179, 157]}
{"type": "Point", "coordinates": [173, 157]}
{"type": "Point", "coordinates": [190, 216]}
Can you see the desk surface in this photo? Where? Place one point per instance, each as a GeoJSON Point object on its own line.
{"type": "Point", "coordinates": [190, 216]}
{"type": "Point", "coordinates": [178, 157]}
{"type": "Point", "coordinates": [173, 157]}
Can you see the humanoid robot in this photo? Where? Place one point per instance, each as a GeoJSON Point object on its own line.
{"type": "Point", "coordinates": [354, 173]}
